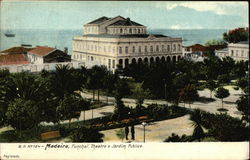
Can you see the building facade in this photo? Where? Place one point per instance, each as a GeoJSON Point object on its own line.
{"type": "Point", "coordinates": [238, 51]}
{"type": "Point", "coordinates": [42, 54]}
{"type": "Point", "coordinates": [118, 40]}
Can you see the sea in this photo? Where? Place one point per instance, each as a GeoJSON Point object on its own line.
{"type": "Point", "coordinates": [63, 38]}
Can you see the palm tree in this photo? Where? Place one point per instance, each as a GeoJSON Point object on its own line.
{"type": "Point", "coordinates": [196, 117]}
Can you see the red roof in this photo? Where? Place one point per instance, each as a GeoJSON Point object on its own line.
{"type": "Point", "coordinates": [41, 51]}
{"type": "Point", "coordinates": [197, 47]}
{"type": "Point", "coordinates": [15, 50]}
{"type": "Point", "coordinates": [12, 59]}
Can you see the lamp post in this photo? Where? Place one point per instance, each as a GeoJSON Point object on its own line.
{"type": "Point", "coordinates": [144, 125]}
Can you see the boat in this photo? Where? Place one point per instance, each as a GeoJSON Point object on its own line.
{"type": "Point", "coordinates": [9, 34]}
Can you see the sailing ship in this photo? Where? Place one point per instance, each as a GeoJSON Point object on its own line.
{"type": "Point", "coordinates": [9, 34]}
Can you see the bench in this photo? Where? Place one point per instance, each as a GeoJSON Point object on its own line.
{"type": "Point", "coordinates": [50, 135]}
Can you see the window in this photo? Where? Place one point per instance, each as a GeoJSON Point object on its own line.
{"type": "Point", "coordinates": [138, 30]}
{"type": "Point", "coordinates": [139, 49]}
{"type": "Point", "coordinates": [109, 64]}
{"type": "Point", "coordinates": [242, 53]}
{"type": "Point", "coordinates": [179, 47]}
{"type": "Point", "coordinates": [151, 49]}
{"type": "Point", "coordinates": [121, 30]}
{"type": "Point", "coordinates": [133, 49]}
{"type": "Point", "coordinates": [162, 48]}
{"type": "Point", "coordinates": [157, 48]}
{"type": "Point", "coordinates": [174, 47]}
{"type": "Point", "coordinates": [113, 64]}
{"type": "Point", "coordinates": [126, 49]}
{"type": "Point", "coordinates": [92, 58]}
{"type": "Point", "coordinates": [120, 50]}
{"type": "Point", "coordinates": [168, 48]}
{"type": "Point", "coordinates": [232, 52]}
{"type": "Point", "coordinates": [146, 49]}
{"type": "Point", "coordinates": [130, 30]}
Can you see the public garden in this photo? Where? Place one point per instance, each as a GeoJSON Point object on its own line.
{"type": "Point", "coordinates": [180, 101]}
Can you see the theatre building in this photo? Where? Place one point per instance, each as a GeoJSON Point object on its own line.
{"type": "Point", "coordinates": [112, 41]}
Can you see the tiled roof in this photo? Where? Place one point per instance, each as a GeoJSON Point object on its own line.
{"type": "Point", "coordinates": [126, 22]}
{"type": "Point", "coordinates": [124, 36]}
{"type": "Point", "coordinates": [41, 51]}
{"type": "Point", "coordinates": [16, 50]}
{"type": "Point", "coordinates": [99, 20]}
{"type": "Point", "coordinates": [12, 59]}
{"type": "Point", "coordinates": [197, 47]}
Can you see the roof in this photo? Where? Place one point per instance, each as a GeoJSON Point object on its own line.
{"type": "Point", "coordinates": [197, 47]}
{"type": "Point", "coordinates": [16, 50]}
{"type": "Point", "coordinates": [99, 20]}
{"type": "Point", "coordinates": [42, 51]}
{"type": "Point", "coordinates": [126, 22]}
{"type": "Point", "coordinates": [243, 42]}
{"type": "Point", "coordinates": [12, 59]}
{"type": "Point", "coordinates": [125, 35]}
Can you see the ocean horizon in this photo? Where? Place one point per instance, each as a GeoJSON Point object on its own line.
{"type": "Point", "coordinates": [61, 38]}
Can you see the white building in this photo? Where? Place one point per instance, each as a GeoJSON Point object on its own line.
{"type": "Point", "coordinates": [112, 41]}
{"type": "Point", "coordinates": [238, 51]}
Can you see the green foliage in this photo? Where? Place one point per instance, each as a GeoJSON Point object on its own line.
{"type": "Point", "coordinates": [243, 106]}
{"type": "Point", "coordinates": [189, 94]}
{"type": "Point", "coordinates": [86, 134]}
{"type": "Point", "coordinates": [196, 117]}
{"type": "Point", "coordinates": [23, 114]}
{"type": "Point", "coordinates": [158, 111]}
{"type": "Point", "coordinates": [242, 83]}
{"type": "Point", "coordinates": [224, 78]}
{"type": "Point", "coordinates": [121, 134]}
{"type": "Point", "coordinates": [236, 35]}
{"type": "Point", "coordinates": [215, 42]}
{"type": "Point", "coordinates": [222, 93]}
{"type": "Point", "coordinates": [176, 138]}
{"type": "Point", "coordinates": [211, 85]}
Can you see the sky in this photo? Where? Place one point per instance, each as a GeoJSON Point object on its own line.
{"type": "Point", "coordinates": [153, 14]}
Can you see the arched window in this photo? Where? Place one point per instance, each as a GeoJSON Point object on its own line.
{"type": "Point", "coordinates": [174, 47]}
{"type": "Point", "coordinates": [138, 30]}
{"type": "Point", "coordinates": [179, 47]}
{"type": "Point", "coordinates": [146, 49]}
{"type": "Point", "coordinates": [168, 48]}
{"type": "Point", "coordinates": [139, 49]}
{"type": "Point", "coordinates": [121, 30]}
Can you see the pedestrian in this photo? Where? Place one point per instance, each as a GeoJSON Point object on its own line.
{"type": "Point", "coordinates": [132, 132]}
{"type": "Point", "coordinates": [126, 132]}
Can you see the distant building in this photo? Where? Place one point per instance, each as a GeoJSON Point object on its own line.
{"type": "Point", "coordinates": [41, 54]}
{"type": "Point", "coordinates": [238, 51]}
{"type": "Point", "coordinates": [112, 41]}
{"type": "Point", "coordinates": [13, 59]}
{"type": "Point", "coordinates": [15, 50]}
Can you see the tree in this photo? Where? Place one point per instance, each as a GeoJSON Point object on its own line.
{"type": "Point", "coordinates": [236, 35]}
{"type": "Point", "coordinates": [224, 78]}
{"type": "Point", "coordinates": [196, 117]}
{"type": "Point", "coordinates": [120, 134]}
{"type": "Point", "coordinates": [63, 82]}
{"type": "Point", "coordinates": [242, 83]}
{"type": "Point", "coordinates": [211, 85]}
{"type": "Point", "coordinates": [222, 93]}
{"type": "Point", "coordinates": [68, 107]}
{"type": "Point", "coordinates": [23, 114]}
{"type": "Point", "coordinates": [189, 94]}
{"type": "Point", "coordinates": [122, 89]}
{"type": "Point", "coordinates": [109, 83]}
{"type": "Point", "coordinates": [86, 134]}
{"type": "Point", "coordinates": [215, 42]}
{"type": "Point", "coordinates": [243, 106]}
{"type": "Point", "coordinates": [140, 94]}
